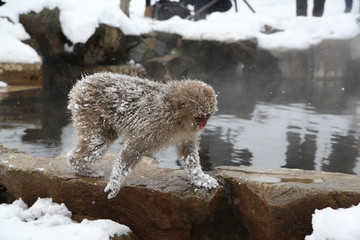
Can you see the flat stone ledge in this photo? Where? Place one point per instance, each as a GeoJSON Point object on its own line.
{"type": "Point", "coordinates": [23, 79]}
{"type": "Point", "coordinates": [159, 203]}
{"type": "Point", "coordinates": [25, 74]}
{"type": "Point", "coordinates": [279, 203]}
{"type": "Point", "coordinates": [155, 202]}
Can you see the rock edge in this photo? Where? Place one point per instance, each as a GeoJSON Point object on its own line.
{"type": "Point", "coordinates": [158, 203]}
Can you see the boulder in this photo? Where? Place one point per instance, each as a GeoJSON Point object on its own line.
{"type": "Point", "coordinates": [48, 40]}
{"type": "Point", "coordinates": [167, 67]}
{"type": "Point", "coordinates": [215, 57]}
{"type": "Point", "coordinates": [105, 46]}
{"type": "Point", "coordinates": [172, 40]}
{"type": "Point", "coordinates": [279, 203]}
{"type": "Point", "coordinates": [155, 202]}
{"type": "Point", "coordinates": [147, 47]}
{"type": "Point", "coordinates": [44, 27]}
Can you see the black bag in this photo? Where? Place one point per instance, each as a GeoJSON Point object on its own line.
{"type": "Point", "coordinates": [165, 9]}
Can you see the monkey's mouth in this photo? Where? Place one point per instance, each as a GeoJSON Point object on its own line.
{"type": "Point", "coordinates": [201, 121]}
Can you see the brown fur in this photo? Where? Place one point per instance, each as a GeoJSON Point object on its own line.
{"type": "Point", "coordinates": [148, 115]}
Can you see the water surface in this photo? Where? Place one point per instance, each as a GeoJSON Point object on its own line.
{"type": "Point", "coordinates": [256, 125]}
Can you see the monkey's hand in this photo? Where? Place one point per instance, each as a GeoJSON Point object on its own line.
{"type": "Point", "coordinates": [203, 180]}
{"type": "Point", "coordinates": [118, 175]}
{"type": "Point", "coordinates": [116, 180]}
{"type": "Point", "coordinates": [114, 187]}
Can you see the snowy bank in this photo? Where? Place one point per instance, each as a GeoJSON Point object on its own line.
{"type": "Point", "coordinates": [48, 220]}
{"type": "Point", "coordinates": [339, 224]}
{"type": "Point", "coordinates": [294, 32]}
{"type": "Point", "coordinates": [79, 21]}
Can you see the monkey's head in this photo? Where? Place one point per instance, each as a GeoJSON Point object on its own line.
{"type": "Point", "coordinates": [193, 102]}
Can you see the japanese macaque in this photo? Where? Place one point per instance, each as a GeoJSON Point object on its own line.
{"type": "Point", "coordinates": [147, 115]}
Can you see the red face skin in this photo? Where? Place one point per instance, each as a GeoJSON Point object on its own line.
{"type": "Point", "coordinates": [201, 122]}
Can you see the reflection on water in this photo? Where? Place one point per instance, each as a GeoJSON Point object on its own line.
{"type": "Point", "coordinates": [292, 136]}
{"type": "Point", "coordinates": [253, 127]}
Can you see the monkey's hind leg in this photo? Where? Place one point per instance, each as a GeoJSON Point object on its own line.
{"type": "Point", "coordinates": [129, 156]}
{"type": "Point", "coordinates": [85, 154]}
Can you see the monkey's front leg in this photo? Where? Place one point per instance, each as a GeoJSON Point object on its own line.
{"type": "Point", "coordinates": [190, 161]}
{"type": "Point", "coordinates": [122, 167]}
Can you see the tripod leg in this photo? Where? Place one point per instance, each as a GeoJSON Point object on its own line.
{"type": "Point", "coordinates": [248, 4]}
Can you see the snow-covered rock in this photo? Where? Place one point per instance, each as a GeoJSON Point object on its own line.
{"type": "Point", "coordinates": [80, 20]}
{"type": "Point", "coordinates": [106, 46]}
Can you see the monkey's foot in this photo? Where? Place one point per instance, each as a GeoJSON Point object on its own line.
{"type": "Point", "coordinates": [114, 187]}
{"type": "Point", "coordinates": [204, 181]}
{"type": "Point", "coordinates": [89, 172]}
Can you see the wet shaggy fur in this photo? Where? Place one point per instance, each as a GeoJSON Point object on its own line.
{"type": "Point", "coordinates": [147, 115]}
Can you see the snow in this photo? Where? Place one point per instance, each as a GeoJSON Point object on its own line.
{"type": "Point", "coordinates": [339, 224]}
{"type": "Point", "coordinates": [80, 18]}
{"type": "Point", "coordinates": [3, 84]}
{"type": "Point", "coordinates": [48, 220]}
{"type": "Point", "coordinates": [11, 47]}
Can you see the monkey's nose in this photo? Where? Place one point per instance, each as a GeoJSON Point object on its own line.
{"type": "Point", "coordinates": [207, 116]}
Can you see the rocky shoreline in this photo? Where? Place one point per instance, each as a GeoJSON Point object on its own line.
{"type": "Point", "coordinates": [158, 203]}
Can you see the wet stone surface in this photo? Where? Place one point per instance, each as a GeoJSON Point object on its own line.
{"type": "Point", "coordinates": [155, 202]}
{"type": "Point", "coordinates": [279, 203]}
{"type": "Point", "coordinates": [159, 203]}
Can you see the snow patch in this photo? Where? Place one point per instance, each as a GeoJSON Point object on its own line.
{"type": "Point", "coordinates": [48, 220]}
{"type": "Point", "coordinates": [336, 224]}
{"type": "Point", "coordinates": [11, 47]}
{"type": "Point", "coordinates": [3, 84]}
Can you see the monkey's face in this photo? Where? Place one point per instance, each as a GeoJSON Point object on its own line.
{"type": "Point", "coordinates": [201, 110]}
{"type": "Point", "coordinates": [193, 102]}
{"type": "Point", "coordinates": [201, 104]}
